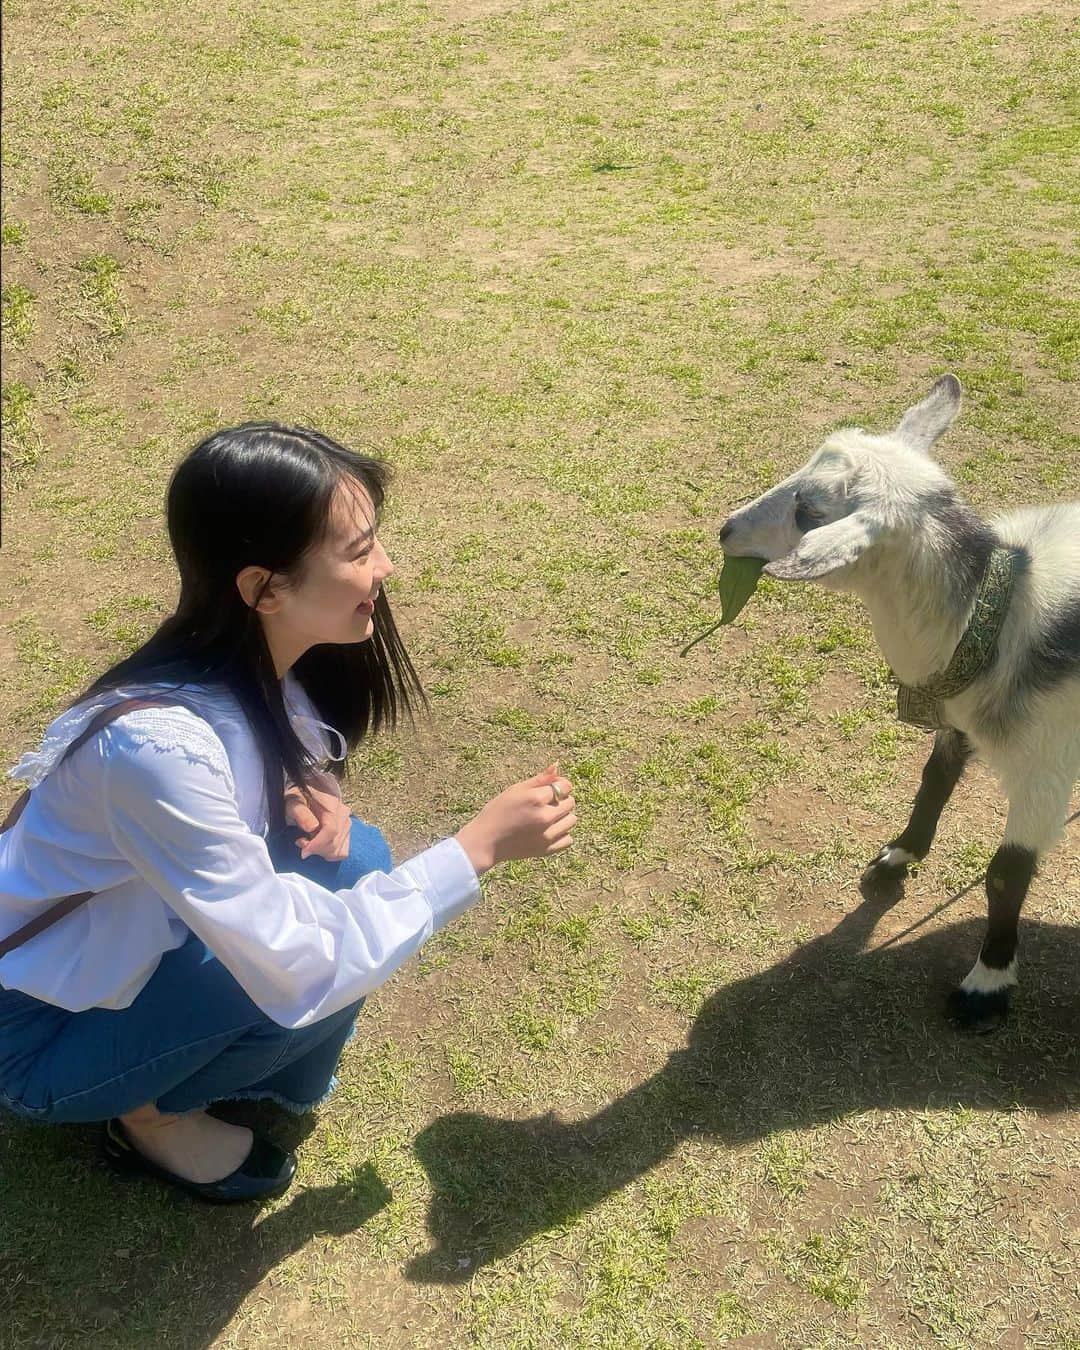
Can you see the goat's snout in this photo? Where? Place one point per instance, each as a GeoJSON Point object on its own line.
{"type": "Point", "coordinates": [725, 530]}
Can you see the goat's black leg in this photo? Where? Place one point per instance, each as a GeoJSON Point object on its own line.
{"type": "Point", "coordinates": [982, 1001]}
{"type": "Point", "coordinates": [942, 772]}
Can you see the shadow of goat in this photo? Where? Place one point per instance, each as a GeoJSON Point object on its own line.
{"type": "Point", "coordinates": [836, 1028]}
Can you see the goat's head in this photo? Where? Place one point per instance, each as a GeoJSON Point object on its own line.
{"type": "Point", "coordinates": [856, 488]}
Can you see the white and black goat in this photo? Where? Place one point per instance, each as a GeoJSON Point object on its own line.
{"type": "Point", "coordinates": [874, 514]}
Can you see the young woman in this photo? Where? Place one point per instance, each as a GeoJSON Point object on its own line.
{"type": "Point", "coordinates": [223, 916]}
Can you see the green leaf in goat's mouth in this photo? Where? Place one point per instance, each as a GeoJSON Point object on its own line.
{"type": "Point", "coordinates": [738, 582]}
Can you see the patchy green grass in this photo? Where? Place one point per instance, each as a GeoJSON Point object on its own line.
{"type": "Point", "coordinates": [21, 441]}
{"type": "Point", "coordinates": [18, 313]}
{"type": "Point", "coordinates": [587, 276]}
{"type": "Point", "coordinates": [100, 288]}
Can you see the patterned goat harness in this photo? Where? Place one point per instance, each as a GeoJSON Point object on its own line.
{"type": "Point", "coordinates": [921, 705]}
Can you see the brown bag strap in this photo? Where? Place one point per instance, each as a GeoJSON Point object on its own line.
{"type": "Point", "coordinates": [52, 915]}
{"type": "Point", "coordinates": [62, 908]}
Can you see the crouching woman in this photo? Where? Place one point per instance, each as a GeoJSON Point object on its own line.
{"type": "Point", "coordinates": [188, 912]}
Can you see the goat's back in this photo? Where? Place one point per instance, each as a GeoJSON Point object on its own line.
{"type": "Point", "coordinates": [1050, 536]}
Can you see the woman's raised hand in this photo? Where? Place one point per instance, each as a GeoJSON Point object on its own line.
{"type": "Point", "coordinates": [532, 819]}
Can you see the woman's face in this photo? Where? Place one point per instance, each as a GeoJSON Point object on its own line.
{"type": "Point", "coordinates": [332, 597]}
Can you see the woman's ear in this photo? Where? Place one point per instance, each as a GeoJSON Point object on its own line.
{"type": "Point", "coordinates": [827, 549]}
{"type": "Point", "coordinates": [257, 589]}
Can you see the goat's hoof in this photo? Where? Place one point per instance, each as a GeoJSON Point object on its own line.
{"type": "Point", "coordinates": [887, 871]}
{"type": "Point", "coordinates": [979, 1013]}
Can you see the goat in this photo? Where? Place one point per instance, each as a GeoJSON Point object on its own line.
{"type": "Point", "coordinates": [876, 515]}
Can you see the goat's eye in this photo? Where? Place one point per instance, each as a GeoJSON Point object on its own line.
{"type": "Point", "coordinates": [806, 517]}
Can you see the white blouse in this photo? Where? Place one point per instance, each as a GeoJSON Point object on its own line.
{"type": "Point", "coordinates": [163, 814]}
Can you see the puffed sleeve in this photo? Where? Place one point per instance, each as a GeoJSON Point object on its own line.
{"type": "Point", "coordinates": [300, 952]}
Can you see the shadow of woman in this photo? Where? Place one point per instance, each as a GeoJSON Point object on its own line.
{"type": "Point", "coordinates": [136, 1264]}
{"type": "Point", "coordinates": [834, 1029]}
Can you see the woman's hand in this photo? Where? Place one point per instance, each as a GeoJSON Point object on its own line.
{"type": "Point", "coordinates": [325, 820]}
{"type": "Point", "coordinates": [525, 821]}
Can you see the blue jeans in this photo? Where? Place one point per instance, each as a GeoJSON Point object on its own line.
{"type": "Point", "coordinates": [190, 1037]}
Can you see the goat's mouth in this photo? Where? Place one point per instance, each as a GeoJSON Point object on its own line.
{"type": "Point", "coordinates": [748, 554]}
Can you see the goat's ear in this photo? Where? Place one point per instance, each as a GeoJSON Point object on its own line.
{"type": "Point", "coordinates": [827, 549]}
{"type": "Point", "coordinates": [922, 425]}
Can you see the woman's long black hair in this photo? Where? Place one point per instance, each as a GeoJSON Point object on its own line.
{"type": "Point", "coordinates": [260, 495]}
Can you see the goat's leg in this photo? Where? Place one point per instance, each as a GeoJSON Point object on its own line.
{"type": "Point", "coordinates": [1036, 818]}
{"type": "Point", "coordinates": [982, 1002]}
{"type": "Point", "coordinates": [942, 772]}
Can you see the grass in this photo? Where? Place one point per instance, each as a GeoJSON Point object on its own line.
{"type": "Point", "coordinates": [100, 288]}
{"type": "Point", "coordinates": [587, 278]}
{"type": "Point", "coordinates": [18, 313]}
{"type": "Point", "coordinates": [21, 440]}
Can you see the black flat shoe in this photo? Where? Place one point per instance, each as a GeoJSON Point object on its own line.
{"type": "Point", "coordinates": [266, 1171]}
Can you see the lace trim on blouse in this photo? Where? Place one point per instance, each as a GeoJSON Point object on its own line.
{"type": "Point", "coordinates": [160, 727]}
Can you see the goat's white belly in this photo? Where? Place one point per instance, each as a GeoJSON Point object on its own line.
{"type": "Point", "coordinates": [1037, 763]}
